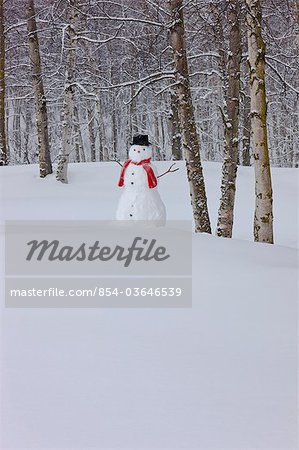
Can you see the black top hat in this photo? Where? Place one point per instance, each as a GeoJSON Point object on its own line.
{"type": "Point", "coordinates": [140, 139]}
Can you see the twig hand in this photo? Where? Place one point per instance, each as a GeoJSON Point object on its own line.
{"type": "Point", "coordinates": [170, 170]}
{"type": "Point", "coordinates": [115, 160]}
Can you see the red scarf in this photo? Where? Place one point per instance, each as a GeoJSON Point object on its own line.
{"type": "Point", "coordinates": [151, 179]}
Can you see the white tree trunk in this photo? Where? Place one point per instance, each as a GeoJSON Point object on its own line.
{"type": "Point", "coordinates": [78, 134]}
{"type": "Point", "coordinates": [263, 217]}
{"type": "Point", "coordinates": [100, 125]}
{"type": "Point", "coordinates": [68, 102]}
{"type": "Point", "coordinates": [3, 146]}
{"type": "Point", "coordinates": [231, 124]}
{"type": "Point", "coordinates": [190, 139]}
{"type": "Point", "coordinates": [45, 165]}
{"type": "Point", "coordinates": [91, 127]}
{"type": "Point", "coordinates": [176, 144]}
{"type": "Point", "coordinates": [246, 131]}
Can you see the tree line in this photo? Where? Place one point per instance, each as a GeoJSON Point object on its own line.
{"type": "Point", "coordinates": [206, 79]}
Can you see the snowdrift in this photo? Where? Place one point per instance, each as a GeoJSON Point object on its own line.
{"type": "Point", "coordinates": [221, 374]}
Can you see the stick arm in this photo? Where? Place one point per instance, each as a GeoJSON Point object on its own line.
{"type": "Point", "coordinates": [169, 170]}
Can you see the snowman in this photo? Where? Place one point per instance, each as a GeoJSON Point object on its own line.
{"type": "Point", "coordinates": [140, 199]}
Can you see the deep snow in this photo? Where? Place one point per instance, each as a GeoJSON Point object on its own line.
{"type": "Point", "coordinates": [92, 193]}
{"type": "Point", "coordinates": [219, 375]}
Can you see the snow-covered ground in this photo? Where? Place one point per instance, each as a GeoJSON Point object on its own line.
{"type": "Point", "coordinates": [92, 193]}
{"type": "Point", "coordinates": [221, 374]}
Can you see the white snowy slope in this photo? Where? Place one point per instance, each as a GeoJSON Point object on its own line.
{"type": "Point", "coordinates": [219, 375]}
{"type": "Point", "coordinates": [92, 193]}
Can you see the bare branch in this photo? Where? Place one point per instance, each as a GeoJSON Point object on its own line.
{"type": "Point", "coordinates": [282, 79]}
{"type": "Point", "coordinates": [152, 77]}
{"type": "Point", "coordinates": [115, 160]}
{"type": "Point", "coordinates": [127, 19]}
{"type": "Point", "coordinates": [169, 170]}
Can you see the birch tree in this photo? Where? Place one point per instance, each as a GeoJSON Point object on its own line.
{"type": "Point", "coordinates": [190, 139]}
{"type": "Point", "coordinates": [3, 147]}
{"type": "Point", "coordinates": [176, 145]}
{"type": "Point", "coordinates": [68, 102]}
{"type": "Point", "coordinates": [135, 43]}
{"type": "Point", "coordinates": [231, 124]}
{"type": "Point", "coordinates": [263, 216]}
{"type": "Point", "coordinates": [45, 165]}
{"type": "Point", "coordinates": [246, 131]}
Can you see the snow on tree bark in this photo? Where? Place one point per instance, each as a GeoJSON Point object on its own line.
{"type": "Point", "coordinates": [45, 165]}
{"type": "Point", "coordinates": [176, 141]}
{"type": "Point", "coordinates": [78, 135]}
{"type": "Point", "coordinates": [231, 124]}
{"type": "Point", "coordinates": [190, 139]}
{"type": "Point", "coordinates": [263, 217]}
{"type": "Point", "coordinates": [246, 131]}
{"type": "Point", "coordinates": [295, 7]}
{"type": "Point", "coordinates": [68, 101]}
{"type": "Point", "coordinates": [100, 126]}
{"type": "Point", "coordinates": [138, 51]}
{"type": "Point", "coordinates": [3, 146]}
{"type": "Point", "coordinates": [91, 126]}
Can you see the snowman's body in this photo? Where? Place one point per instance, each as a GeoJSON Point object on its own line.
{"type": "Point", "coordinates": [139, 201]}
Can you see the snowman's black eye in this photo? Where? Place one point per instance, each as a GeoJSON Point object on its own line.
{"type": "Point", "coordinates": [134, 149]}
{"type": "Point", "coordinates": [144, 149]}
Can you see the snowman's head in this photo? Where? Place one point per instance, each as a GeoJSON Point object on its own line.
{"type": "Point", "coordinates": [139, 152]}
{"type": "Point", "coordinates": [140, 148]}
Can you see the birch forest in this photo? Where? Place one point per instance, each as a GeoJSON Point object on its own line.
{"type": "Point", "coordinates": [207, 80]}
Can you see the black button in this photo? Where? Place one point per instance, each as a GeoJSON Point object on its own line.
{"type": "Point", "coordinates": [132, 182]}
{"type": "Point", "coordinates": [132, 206]}
{"type": "Point", "coordinates": [132, 173]}
{"type": "Point", "coordinates": [131, 215]}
